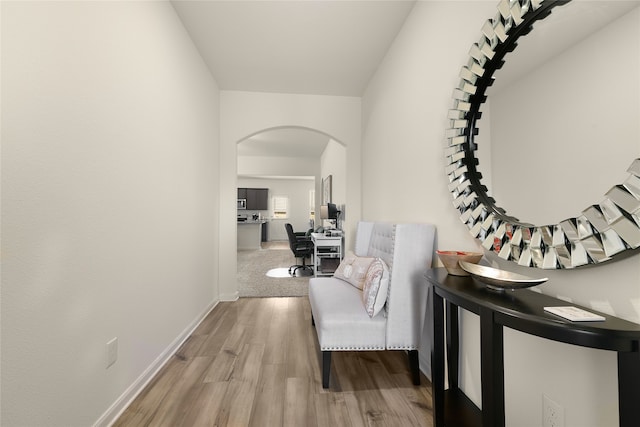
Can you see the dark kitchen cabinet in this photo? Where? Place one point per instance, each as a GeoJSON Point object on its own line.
{"type": "Point", "coordinates": [257, 198]}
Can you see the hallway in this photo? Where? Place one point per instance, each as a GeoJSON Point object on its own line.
{"type": "Point", "coordinates": [255, 362]}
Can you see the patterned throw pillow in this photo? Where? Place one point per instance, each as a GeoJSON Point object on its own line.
{"type": "Point", "coordinates": [376, 284]}
{"type": "Point", "coordinates": [353, 269]}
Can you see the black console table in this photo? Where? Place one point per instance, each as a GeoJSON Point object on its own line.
{"type": "Point", "coordinates": [521, 310]}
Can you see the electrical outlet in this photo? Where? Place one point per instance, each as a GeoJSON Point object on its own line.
{"type": "Point", "coordinates": [112, 352]}
{"type": "Point", "coordinates": [552, 413]}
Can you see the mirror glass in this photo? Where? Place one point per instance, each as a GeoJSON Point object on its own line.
{"type": "Point", "coordinates": [560, 125]}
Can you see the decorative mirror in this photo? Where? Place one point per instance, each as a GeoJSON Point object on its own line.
{"type": "Point", "coordinates": [601, 232]}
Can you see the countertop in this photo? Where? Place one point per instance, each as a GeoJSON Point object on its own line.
{"type": "Point", "coordinates": [251, 221]}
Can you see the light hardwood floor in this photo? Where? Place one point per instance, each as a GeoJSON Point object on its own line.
{"type": "Point", "coordinates": [256, 362]}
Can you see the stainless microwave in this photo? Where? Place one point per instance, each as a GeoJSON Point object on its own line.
{"type": "Point", "coordinates": [242, 203]}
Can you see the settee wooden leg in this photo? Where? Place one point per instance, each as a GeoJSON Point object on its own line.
{"type": "Point", "coordinates": [414, 366]}
{"type": "Point", "coordinates": [326, 368]}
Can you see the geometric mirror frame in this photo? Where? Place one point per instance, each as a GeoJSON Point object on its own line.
{"type": "Point", "coordinates": [599, 233]}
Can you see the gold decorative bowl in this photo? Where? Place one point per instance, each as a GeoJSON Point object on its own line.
{"type": "Point", "coordinates": [451, 260]}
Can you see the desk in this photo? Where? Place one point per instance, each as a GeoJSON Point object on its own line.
{"type": "Point", "coordinates": [327, 253]}
{"type": "Point", "coordinates": [521, 310]}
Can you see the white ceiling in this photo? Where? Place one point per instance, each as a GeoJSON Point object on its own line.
{"type": "Point", "coordinates": [318, 47]}
{"type": "Point", "coordinates": [285, 142]}
{"type": "Point", "coordinates": [326, 47]}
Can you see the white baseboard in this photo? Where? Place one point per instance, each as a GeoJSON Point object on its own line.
{"type": "Point", "coordinates": [119, 406]}
{"type": "Point", "coordinates": [230, 297]}
{"type": "Point", "coordinates": [424, 360]}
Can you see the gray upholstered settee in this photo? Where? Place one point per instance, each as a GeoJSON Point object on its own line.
{"type": "Point", "coordinates": [339, 315]}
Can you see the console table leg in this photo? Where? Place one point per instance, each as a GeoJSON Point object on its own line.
{"type": "Point", "coordinates": [629, 388]}
{"type": "Point", "coordinates": [492, 365]}
{"type": "Point", "coordinates": [453, 344]}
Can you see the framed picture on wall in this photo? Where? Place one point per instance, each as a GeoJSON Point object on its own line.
{"type": "Point", "coordinates": [326, 190]}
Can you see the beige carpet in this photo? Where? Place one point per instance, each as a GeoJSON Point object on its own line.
{"type": "Point", "coordinates": [263, 273]}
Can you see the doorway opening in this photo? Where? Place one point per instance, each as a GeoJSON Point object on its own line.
{"type": "Point", "coordinates": [290, 163]}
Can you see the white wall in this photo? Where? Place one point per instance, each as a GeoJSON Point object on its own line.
{"type": "Point", "coordinates": [246, 113]}
{"type": "Point", "coordinates": [297, 190]}
{"type": "Point", "coordinates": [109, 147]}
{"type": "Point", "coordinates": [278, 166]}
{"type": "Point", "coordinates": [404, 119]}
{"type": "Point", "coordinates": [334, 162]}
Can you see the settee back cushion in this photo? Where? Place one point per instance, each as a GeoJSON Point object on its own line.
{"type": "Point", "coordinates": [363, 236]}
{"type": "Point", "coordinates": [407, 249]}
{"type": "Point", "coordinates": [382, 242]}
{"type": "Point", "coordinates": [407, 300]}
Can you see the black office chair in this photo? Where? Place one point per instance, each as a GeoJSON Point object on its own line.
{"type": "Point", "coordinates": [302, 247]}
{"type": "Point", "coordinates": [303, 234]}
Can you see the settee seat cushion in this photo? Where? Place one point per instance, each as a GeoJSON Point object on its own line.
{"type": "Point", "coordinates": [342, 323]}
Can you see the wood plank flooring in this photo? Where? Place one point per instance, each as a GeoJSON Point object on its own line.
{"type": "Point", "coordinates": [256, 362]}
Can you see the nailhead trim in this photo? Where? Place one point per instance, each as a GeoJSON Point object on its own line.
{"type": "Point", "coordinates": [351, 348]}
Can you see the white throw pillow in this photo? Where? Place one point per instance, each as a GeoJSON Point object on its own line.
{"type": "Point", "coordinates": [353, 269]}
{"type": "Point", "coordinates": [376, 285]}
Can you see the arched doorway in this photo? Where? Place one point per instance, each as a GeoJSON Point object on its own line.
{"type": "Point", "coordinates": [290, 162]}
